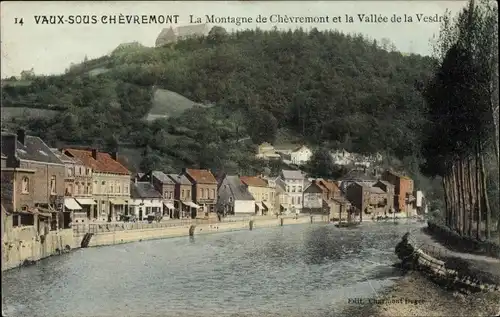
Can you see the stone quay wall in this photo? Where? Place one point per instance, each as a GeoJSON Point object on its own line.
{"type": "Point", "coordinates": [23, 244]}
{"type": "Point", "coordinates": [161, 231]}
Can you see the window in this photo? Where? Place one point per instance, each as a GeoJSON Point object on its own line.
{"type": "Point", "coordinates": [80, 171]}
{"type": "Point", "coordinates": [298, 200]}
{"type": "Point", "coordinates": [85, 190]}
{"type": "Point", "coordinates": [76, 188]}
{"type": "Point", "coordinates": [213, 193]}
{"type": "Point", "coordinates": [26, 185]}
{"type": "Point", "coordinates": [89, 186]}
{"type": "Point", "coordinates": [293, 189]}
{"type": "Point", "coordinates": [188, 193]}
{"type": "Point", "coordinates": [183, 194]}
{"type": "Point", "coordinates": [293, 200]}
{"type": "Point", "coordinates": [87, 171]}
{"type": "Point", "coordinates": [111, 188]}
{"type": "Point", "coordinates": [126, 189]}
{"type": "Point", "coordinates": [300, 189]}
{"type": "Point", "coordinates": [70, 189]}
{"type": "Point", "coordinates": [230, 199]}
{"type": "Point", "coordinates": [119, 188]}
{"type": "Point", "coordinates": [70, 171]}
{"type": "Point", "coordinates": [53, 184]}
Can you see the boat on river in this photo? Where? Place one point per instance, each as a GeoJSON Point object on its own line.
{"type": "Point", "coordinates": [347, 224]}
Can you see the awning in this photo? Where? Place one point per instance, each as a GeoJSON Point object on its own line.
{"type": "Point", "coordinates": [118, 201]}
{"type": "Point", "coordinates": [192, 205]}
{"type": "Point", "coordinates": [70, 203]}
{"type": "Point", "coordinates": [85, 201]}
{"type": "Point", "coordinates": [168, 205]}
{"type": "Point", "coordinates": [284, 206]}
{"type": "Point", "coordinates": [259, 205]}
{"type": "Point", "coordinates": [265, 206]}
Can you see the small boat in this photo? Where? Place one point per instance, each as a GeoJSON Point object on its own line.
{"type": "Point", "coordinates": [347, 224]}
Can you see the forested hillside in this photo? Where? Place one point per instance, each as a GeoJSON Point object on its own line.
{"type": "Point", "coordinates": [328, 88]}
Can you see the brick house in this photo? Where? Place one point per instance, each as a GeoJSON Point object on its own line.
{"type": "Point", "coordinates": [204, 189]}
{"type": "Point", "coordinates": [33, 178]}
{"type": "Point", "coordinates": [367, 199]}
{"type": "Point", "coordinates": [166, 186]}
{"type": "Point", "coordinates": [78, 188]}
{"type": "Point", "coordinates": [403, 190]}
{"type": "Point", "coordinates": [110, 182]}
{"type": "Point", "coordinates": [183, 198]}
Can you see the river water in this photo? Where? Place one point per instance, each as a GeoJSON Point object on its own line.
{"type": "Point", "coordinates": [301, 270]}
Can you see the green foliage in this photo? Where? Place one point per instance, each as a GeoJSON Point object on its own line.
{"type": "Point", "coordinates": [321, 165]}
{"type": "Point", "coordinates": [321, 86]}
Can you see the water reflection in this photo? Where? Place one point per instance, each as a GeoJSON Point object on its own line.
{"type": "Point", "coordinates": [303, 270]}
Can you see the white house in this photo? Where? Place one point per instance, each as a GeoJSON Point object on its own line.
{"type": "Point", "coordinates": [146, 200]}
{"type": "Point", "coordinates": [301, 155]}
{"type": "Point", "coordinates": [342, 157]}
{"type": "Point", "coordinates": [294, 183]}
{"type": "Point", "coordinates": [234, 198]}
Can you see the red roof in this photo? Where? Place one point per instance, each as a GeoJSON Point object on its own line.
{"type": "Point", "coordinates": [201, 176]}
{"type": "Point", "coordinates": [332, 187]}
{"type": "Point", "coordinates": [253, 181]}
{"type": "Point", "coordinates": [104, 163]}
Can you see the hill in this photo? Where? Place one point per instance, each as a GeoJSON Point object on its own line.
{"type": "Point", "coordinates": [327, 88]}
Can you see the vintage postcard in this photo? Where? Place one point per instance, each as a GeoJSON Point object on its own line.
{"type": "Point", "coordinates": [250, 158]}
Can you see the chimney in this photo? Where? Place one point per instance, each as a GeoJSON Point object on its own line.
{"type": "Point", "coordinates": [21, 136]}
{"type": "Point", "coordinates": [114, 155]}
{"type": "Point", "coordinates": [94, 154]}
{"type": "Point", "coordinates": [9, 144]}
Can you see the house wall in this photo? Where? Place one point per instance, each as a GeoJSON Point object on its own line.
{"type": "Point", "coordinates": [205, 195]}
{"type": "Point", "coordinates": [13, 197]}
{"type": "Point", "coordinates": [78, 181]}
{"type": "Point", "coordinates": [3, 162]}
{"type": "Point", "coordinates": [294, 188]}
{"type": "Point", "coordinates": [301, 156]}
{"type": "Point", "coordinates": [109, 186]}
{"type": "Point", "coordinates": [354, 193]}
{"type": "Point", "coordinates": [41, 180]}
{"type": "Point", "coordinates": [244, 207]}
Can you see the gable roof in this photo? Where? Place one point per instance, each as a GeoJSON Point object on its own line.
{"type": "Point", "coordinates": [238, 190]}
{"type": "Point", "coordinates": [104, 163]}
{"type": "Point", "coordinates": [33, 149]}
{"type": "Point", "coordinates": [332, 187]}
{"type": "Point", "coordinates": [143, 190]}
{"type": "Point", "coordinates": [64, 158]}
{"type": "Point", "coordinates": [162, 177]}
{"type": "Point", "coordinates": [253, 181]}
{"type": "Point", "coordinates": [180, 179]}
{"type": "Point", "coordinates": [292, 174]}
{"type": "Point", "coordinates": [300, 148]}
{"type": "Point", "coordinates": [376, 190]}
{"type": "Point", "coordinates": [201, 176]}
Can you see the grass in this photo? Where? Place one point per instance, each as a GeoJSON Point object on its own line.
{"type": "Point", "coordinates": [167, 103]}
{"type": "Point", "coordinates": [11, 112]}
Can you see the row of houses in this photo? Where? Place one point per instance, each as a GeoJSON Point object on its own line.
{"type": "Point", "coordinates": [57, 187]}
{"type": "Point", "coordinates": [300, 155]}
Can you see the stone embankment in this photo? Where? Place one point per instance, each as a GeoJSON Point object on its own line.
{"type": "Point", "coordinates": [23, 245]}
{"type": "Point", "coordinates": [129, 232]}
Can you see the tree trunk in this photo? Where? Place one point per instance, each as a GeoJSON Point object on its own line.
{"type": "Point", "coordinates": [459, 197]}
{"type": "Point", "coordinates": [454, 198]}
{"type": "Point", "coordinates": [471, 193]}
{"type": "Point", "coordinates": [478, 195]}
{"type": "Point", "coordinates": [462, 196]}
{"type": "Point", "coordinates": [486, 202]}
{"type": "Point", "coordinates": [446, 201]}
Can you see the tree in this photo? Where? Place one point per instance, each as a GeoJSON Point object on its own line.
{"type": "Point", "coordinates": [458, 98]}
{"type": "Point", "coordinates": [321, 164]}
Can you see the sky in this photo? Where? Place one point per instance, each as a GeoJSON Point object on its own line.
{"type": "Point", "coordinates": [50, 48]}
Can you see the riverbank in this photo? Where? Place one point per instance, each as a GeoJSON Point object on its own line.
{"type": "Point", "coordinates": [416, 295]}
{"type": "Point", "coordinates": [195, 229]}
{"type": "Point", "coordinates": [24, 246]}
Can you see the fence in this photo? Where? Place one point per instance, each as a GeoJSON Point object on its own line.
{"type": "Point", "coordinates": [96, 228]}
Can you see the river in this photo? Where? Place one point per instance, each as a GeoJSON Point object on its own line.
{"type": "Point", "coordinates": [300, 270]}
